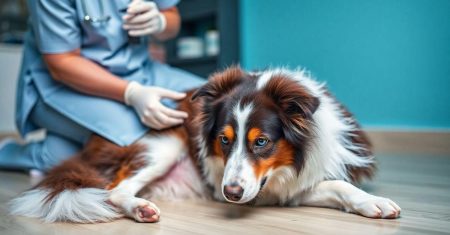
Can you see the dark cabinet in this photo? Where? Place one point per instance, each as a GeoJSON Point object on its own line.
{"type": "Point", "coordinates": [199, 16]}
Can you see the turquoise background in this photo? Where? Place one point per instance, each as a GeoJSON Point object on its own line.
{"type": "Point", "coordinates": [387, 60]}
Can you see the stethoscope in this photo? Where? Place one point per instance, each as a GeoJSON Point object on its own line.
{"type": "Point", "coordinates": [88, 18]}
{"type": "Point", "coordinates": [103, 18]}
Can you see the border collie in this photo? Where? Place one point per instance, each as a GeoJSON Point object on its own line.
{"type": "Point", "coordinates": [275, 137]}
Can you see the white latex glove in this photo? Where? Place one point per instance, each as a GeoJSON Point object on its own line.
{"type": "Point", "coordinates": [143, 18]}
{"type": "Point", "coordinates": [146, 101]}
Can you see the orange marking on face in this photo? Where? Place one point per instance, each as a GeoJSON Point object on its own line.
{"type": "Point", "coordinates": [283, 156]}
{"type": "Point", "coordinates": [228, 131]}
{"type": "Point", "coordinates": [253, 134]}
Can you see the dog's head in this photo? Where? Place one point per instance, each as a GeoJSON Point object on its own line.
{"type": "Point", "coordinates": [256, 123]}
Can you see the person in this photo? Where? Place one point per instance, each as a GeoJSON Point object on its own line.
{"type": "Point", "coordinates": [86, 70]}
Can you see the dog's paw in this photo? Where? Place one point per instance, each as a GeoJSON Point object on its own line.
{"type": "Point", "coordinates": [375, 207]}
{"type": "Point", "coordinates": [146, 212]}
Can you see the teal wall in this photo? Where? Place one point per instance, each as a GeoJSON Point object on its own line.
{"type": "Point", "coordinates": [387, 60]}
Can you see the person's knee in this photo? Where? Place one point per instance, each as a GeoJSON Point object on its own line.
{"type": "Point", "coordinates": [54, 152]}
{"type": "Point", "coordinates": [48, 160]}
{"type": "Point", "coordinates": [44, 116]}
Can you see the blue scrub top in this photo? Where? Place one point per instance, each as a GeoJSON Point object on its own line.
{"type": "Point", "coordinates": [57, 26]}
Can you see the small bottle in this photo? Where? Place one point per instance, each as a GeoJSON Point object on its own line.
{"type": "Point", "coordinates": [212, 43]}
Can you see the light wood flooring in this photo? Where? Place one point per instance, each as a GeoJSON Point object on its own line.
{"type": "Point", "coordinates": [420, 184]}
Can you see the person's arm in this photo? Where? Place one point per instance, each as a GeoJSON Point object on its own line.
{"type": "Point", "coordinates": [173, 24]}
{"type": "Point", "coordinates": [83, 75]}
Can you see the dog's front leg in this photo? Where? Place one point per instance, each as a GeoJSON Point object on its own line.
{"type": "Point", "coordinates": [343, 195]}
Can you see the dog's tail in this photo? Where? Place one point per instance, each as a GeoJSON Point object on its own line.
{"type": "Point", "coordinates": [75, 198]}
{"type": "Point", "coordinates": [77, 190]}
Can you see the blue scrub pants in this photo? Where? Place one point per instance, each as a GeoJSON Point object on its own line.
{"type": "Point", "coordinates": [64, 139]}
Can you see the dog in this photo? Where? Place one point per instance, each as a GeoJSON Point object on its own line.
{"type": "Point", "coordinates": [275, 137]}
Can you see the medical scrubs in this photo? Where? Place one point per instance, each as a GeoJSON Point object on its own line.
{"type": "Point", "coordinates": [57, 26]}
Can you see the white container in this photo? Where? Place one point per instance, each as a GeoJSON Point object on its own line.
{"type": "Point", "coordinates": [212, 43]}
{"type": "Point", "coordinates": [190, 47]}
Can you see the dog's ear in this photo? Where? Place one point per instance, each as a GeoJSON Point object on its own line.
{"type": "Point", "coordinates": [297, 105]}
{"type": "Point", "coordinates": [220, 84]}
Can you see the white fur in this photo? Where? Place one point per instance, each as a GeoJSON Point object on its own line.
{"type": "Point", "coordinates": [213, 172]}
{"type": "Point", "coordinates": [282, 187]}
{"type": "Point", "coordinates": [163, 152]}
{"type": "Point", "coordinates": [242, 115]}
{"type": "Point", "coordinates": [86, 205]}
{"type": "Point", "coordinates": [329, 154]}
{"type": "Point", "coordinates": [182, 182]}
{"type": "Point", "coordinates": [342, 195]}
{"type": "Point", "coordinates": [238, 168]}
{"type": "Point", "coordinates": [264, 79]}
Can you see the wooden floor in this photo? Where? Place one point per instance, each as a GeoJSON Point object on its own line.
{"type": "Point", "coordinates": [419, 184]}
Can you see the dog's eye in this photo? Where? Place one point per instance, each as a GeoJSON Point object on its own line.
{"type": "Point", "coordinates": [224, 140]}
{"type": "Point", "coordinates": [261, 142]}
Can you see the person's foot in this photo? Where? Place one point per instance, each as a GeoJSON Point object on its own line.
{"type": "Point", "coordinates": [6, 141]}
{"type": "Point", "coordinates": [12, 155]}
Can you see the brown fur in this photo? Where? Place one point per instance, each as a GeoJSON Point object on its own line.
{"type": "Point", "coordinates": [221, 83]}
{"type": "Point", "coordinates": [100, 163]}
{"type": "Point", "coordinates": [297, 105]}
{"type": "Point", "coordinates": [191, 126]}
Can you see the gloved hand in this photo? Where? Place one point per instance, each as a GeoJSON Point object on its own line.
{"type": "Point", "coordinates": [146, 101]}
{"type": "Point", "coordinates": [143, 18]}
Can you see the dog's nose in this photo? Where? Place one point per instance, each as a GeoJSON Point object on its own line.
{"type": "Point", "coordinates": [233, 192]}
